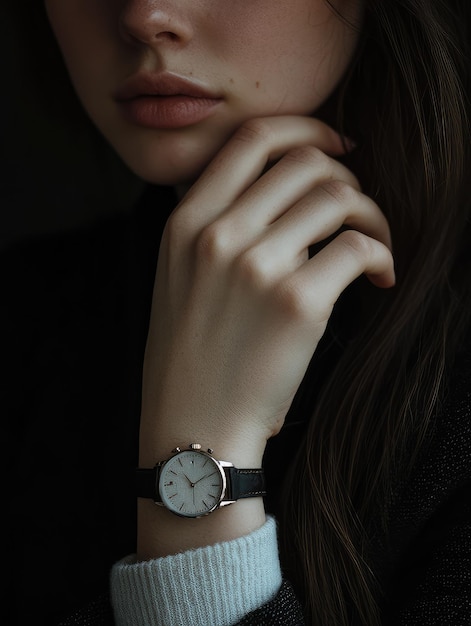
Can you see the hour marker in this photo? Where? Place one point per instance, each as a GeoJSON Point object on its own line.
{"type": "Point", "coordinates": [175, 473]}
{"type": "Point", "coordinates": [180, 461]}
{"type": "Point", "coordinates": [175, 494]}
{"type": "Point", "coordinates": [205, 504]}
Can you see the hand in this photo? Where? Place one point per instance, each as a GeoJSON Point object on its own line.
{"type": "Point", "coordinates": [238, 306]}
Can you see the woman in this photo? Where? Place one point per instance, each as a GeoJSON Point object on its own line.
{"type": "Point", "coordinates": [365, 445]}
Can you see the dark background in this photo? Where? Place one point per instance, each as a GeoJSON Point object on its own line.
{"type": "Point", "coordinates": [56, 171]}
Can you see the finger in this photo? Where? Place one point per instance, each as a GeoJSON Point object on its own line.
{"type": "Point", "coordinates": [317, 284]}
{"type": "Point", "coordinates": [317, 216]}
{"type": "Point", "coordinates": [243, 159]}
{"type": "Point", "coordinates": [290, 180]}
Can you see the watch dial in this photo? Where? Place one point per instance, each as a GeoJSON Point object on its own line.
{"type": "Point", "coordinates": [191, 483]}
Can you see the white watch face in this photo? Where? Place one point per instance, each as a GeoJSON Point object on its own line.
{"type": "Point", "coordinates": [191, 483]}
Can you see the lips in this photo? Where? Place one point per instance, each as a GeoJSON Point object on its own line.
{"type": "Point", "coordinates": [165, 101]}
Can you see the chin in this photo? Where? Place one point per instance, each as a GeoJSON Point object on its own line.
{"type": "Point", "coordinates": [162, 165]}
{"type": "Point", "coordinates": [168, 158]}
{"type": "Point", "coordinates": [163, 174]}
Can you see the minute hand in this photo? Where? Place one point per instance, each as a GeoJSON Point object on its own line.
{"type": "Point", "coordinates": [203, 477]}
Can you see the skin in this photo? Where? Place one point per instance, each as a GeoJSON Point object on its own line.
{"type": "Point", "coordinates": [240, 305]}
{"type": "Point", "coordinates": [263, 58]}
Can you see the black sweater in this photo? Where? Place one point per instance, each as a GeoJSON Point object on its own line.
{"type": "Point", "coordinates": [73, 322]}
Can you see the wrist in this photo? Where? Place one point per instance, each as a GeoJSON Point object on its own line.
{"type": "Point", "coordinates": [188, 483]}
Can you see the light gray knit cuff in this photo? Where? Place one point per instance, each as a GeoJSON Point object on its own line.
{"type": "Point", "coordinates": [214, 585]}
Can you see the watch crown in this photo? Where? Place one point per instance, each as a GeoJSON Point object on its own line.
{"type": "Point", "coordinates": [195, 446]}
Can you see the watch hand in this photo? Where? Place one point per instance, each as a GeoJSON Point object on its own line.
{"type": "Point", "coordinates": [203, 477]}
{"type": "Point", "coordinates": [191, 484]}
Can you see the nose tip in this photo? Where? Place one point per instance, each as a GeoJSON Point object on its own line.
{"type": "Point", "coordinates": [141, 22]}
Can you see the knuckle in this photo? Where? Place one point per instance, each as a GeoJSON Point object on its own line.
{"type": "Point", "coordinates": [254, 268]}
{"type": "Point", "coordinates": [177, 227]}
{"type": "Point", "coordinates": [254, 131]}
{"type": "Point", "coordinates": [308, 155]}
{"type": "Point", "coordinates": [341, 192]}
{"type": "Point", "coordinates": [213, 242]}
{"type": "Point", "coordinates": [357, 244]}
{"type": "Point", "coordinates": [293, 301]}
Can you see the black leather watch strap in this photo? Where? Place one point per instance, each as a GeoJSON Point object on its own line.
{"type": "Point", "coordinates": [241, 483]}
{"type": "Point", "coordinates": [245, 483]}
{"type": "Point", "coordinates": [146, 484]}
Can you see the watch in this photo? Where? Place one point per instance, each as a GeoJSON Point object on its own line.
{"type": "Point", "coordinates": [192, 483]}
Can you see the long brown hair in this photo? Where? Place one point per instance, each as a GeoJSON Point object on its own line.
{"type": "Point", "coordinates": [405, 102]}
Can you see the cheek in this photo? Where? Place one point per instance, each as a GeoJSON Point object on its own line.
{"type": "Point", "coordinates": [293, 53]}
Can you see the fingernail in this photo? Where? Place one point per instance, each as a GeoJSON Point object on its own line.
{"type": "Point", "coordinates": [349, 144]}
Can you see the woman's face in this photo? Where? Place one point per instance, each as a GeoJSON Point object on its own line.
{"type": "Point", "coordinates": [168, 81]}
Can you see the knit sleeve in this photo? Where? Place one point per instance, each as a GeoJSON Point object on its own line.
{"type": "Point", "coordinates": [215, 585]}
